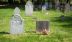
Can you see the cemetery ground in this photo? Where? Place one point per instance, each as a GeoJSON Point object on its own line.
{"type": "Point", "coordinates": [60, 31]}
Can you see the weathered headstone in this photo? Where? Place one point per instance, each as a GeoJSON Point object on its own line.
{"type": "Point", "coordinates": [29, 8]}
{"type": "Point", "coordinates": [44, 9]}
{"type": "Point", "coordinates": [16, 22]}
{"type": "Point", "coordinates": [67, 8]}
{"type": "Point", "coordinates": [42, 27]}
{"type": "Point", "coordinates": [57, 4]}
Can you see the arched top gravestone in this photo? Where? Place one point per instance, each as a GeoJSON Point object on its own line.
{"type": "Point", "coordinates": [16, 11]}
{"type": "Point", "coordinates": [29, 3]}
{"type": "Point", "coordinates": [16, 22]}
{"type": "Point", "coordinates": [29, 8]}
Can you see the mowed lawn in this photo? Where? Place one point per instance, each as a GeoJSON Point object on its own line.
{"type": "Point", "coordinates": [60, 31]}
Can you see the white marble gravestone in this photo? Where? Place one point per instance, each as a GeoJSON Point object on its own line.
{"type": "Point", "coordinates": [44, 9]}
{"type": "Point", "coordinates": [16, 22]}
{"type": "Point", "coordinates": [29, 8]}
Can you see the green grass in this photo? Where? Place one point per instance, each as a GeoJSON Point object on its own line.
{"type": "Point", "coordinates": [60, 31]}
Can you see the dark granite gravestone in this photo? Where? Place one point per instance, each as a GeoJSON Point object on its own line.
{"type": "Point", "coordinates": [42, 27]}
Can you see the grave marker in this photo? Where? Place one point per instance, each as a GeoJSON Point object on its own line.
{"type": "Point", "coordinates": [16, 22]}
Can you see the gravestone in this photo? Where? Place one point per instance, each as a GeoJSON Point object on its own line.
{"type": "Point", "coordinates": [57, 4]}
{"type": "Point", "coordinates": [16, 22]}
{"type": "Point", "coordinates": [42, 27]}
{"type": "Point", "coordinates": [67, 8]}
{"type": "Point", "coordinates": [29, 8]}
{"type": "Point", "coordinates": [44, 9]}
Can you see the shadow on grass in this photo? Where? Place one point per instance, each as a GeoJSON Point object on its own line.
{"type": "Point", "coordinates": [65, 20]}
{"type": "Point", "coordinates": [4, 33]}
{"type": "Point", "coordinates": [30, 31]}
{"type": "Point", "coordinates": [35, 33]}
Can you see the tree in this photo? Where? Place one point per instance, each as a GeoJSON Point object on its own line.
{"type": "Point", "coordinates": [10, 1]}
{"type": "Point", "coordinates": [22, 1]}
